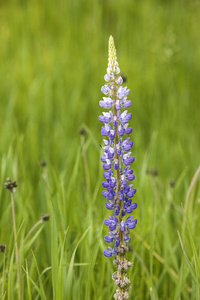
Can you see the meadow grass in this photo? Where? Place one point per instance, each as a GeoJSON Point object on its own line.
{"type": "Point", "coordinates": [53, 58]}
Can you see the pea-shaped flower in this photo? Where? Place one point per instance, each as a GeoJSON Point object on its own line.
{"type": "Point", "coordinates": [116, 161]}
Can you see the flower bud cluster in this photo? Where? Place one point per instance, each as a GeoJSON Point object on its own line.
{"type": "Point", "coordinates": [10, 185]}
{"type": "Point", "coordinates": [118, 174]}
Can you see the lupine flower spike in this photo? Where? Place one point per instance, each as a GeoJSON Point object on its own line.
{"type": "Point", "coordinates": [118, 174]}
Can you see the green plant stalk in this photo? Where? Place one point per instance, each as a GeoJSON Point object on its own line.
{"type": "Point", "coordinates": [85, 162]}
{"type": "Point", "coordinates": [16, 247]}
{"type": "Point", "coordinates": [3, 292]}
{"type": "Point", "coordinates": [32, 229]}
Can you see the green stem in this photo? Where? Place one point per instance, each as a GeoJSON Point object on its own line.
{"type": "Point", "coordinates": [32, 229]}
{"type": "Point", "coordinates": [16, 247]}
{"type": "Point", "coordinates": [85, 162]}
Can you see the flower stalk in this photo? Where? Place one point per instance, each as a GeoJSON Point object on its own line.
{"type": "Point", "coordinates": [116, 164]}
{"type": "Point", "coordinates": [44, 218]}
{"type": "Point", "coordinates": [11, 186]}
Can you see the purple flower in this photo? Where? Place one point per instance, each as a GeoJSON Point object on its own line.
{"type": "Point", "coordinates": [116, 159]}
{"type": "Point", "coordinates": [105, 130]}
{"type": "Point", "coordinates": [117, 210]}
{"type": "Point", "coordinates": [130, 222]}
{"type": "Point", "coordinates": [122, 92]}
{"type": "Point", "coordinates": [109, 239]}
{"type": "Point", "coordinates": [127, 238]}
{"type": "Point", "coordinates": [125, 117]}
{"type": "Point", "coordinates": [105, 89]}
{"type": "Point", "coordinates": [122, 224]}
{"type": "Point", "coordinates": [110, 252]}
{"type": "Point", "coordinates": [109, 205]}
{"type": "Point", "coordinates": [129, 207]}
{"type": "Point", "coordinates": [117, 242]}
{"type": "Point", "coordinates": [111, 223]}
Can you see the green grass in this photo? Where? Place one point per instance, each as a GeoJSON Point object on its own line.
{"type": "Point", "coordinates": [53, 57]}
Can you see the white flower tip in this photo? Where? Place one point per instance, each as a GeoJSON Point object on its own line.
{"type": "Point", "coordinates": [111, 40]}
{"type": "Point", "coordinates": [112, 56]}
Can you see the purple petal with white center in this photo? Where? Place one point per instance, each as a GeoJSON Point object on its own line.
{"type": "Point", "coordinates": [112, 227]}
{"type": "Point", "coordinates": [130, 177]}
{"type": "Point", "coordinates": [129, 160]}
{"type": "Point", "coordinates": [110, 195]}
{"type": "Point", "coordinates": [105, 193]}
{"type": "Point", "coordinates": [105, 131]}
{"type": "Point", "coordinates": [127, 238]}
{"type": "Point", "coordinates": [128, 130]}
{"type": "Point", "coordinates": [112, 182]}
{"type": "Point", "coordinates": [119, 80]}
{"type": "Point", "coordinates": [107, 77]}
{"type": "Point", "coordinates": [106, 222]}
{"type": "Point", "coordinates": [106, 167]}
{"type": "Point", "coordinates": [111, 153]}
{"type": "Point", "coordinates": [114, 219]}
{"type": "Point", "coordinates": [129, 209]}
{"type": "Point", "coordinates": [124, 182]}
{"type": "Point", "coordinates": [103, 159]}
{"type": "Point", "coordinates": [105, 184]}
{"type": "Point", "coordinates": [127, 103]}
{"type": "Point", "coordinates": [104, 119]}
{"type": "Point", "coordinates": [106, 142]}
{"type": "Point", "coordinates": [115, 121]}
{"type": "Point", "coordinates": [112, 135]}
{"type": "Point", "coordinates": [126, 118]}
{"type": "Point", "coordinates": [109, 205]}
{"type": "Point", "coordinates": [127, 92]}
{"type": "Point", "coordinates": [108, 239]}
{"type": "Point", "coordinates": [107, 253]}
{"type": "Point", "coordinates": [120, 92]}
{"type": "Point", "coordinates": [122, 224]}
{"type": "Point", "coordinates": [106, 175]}
{"type": "Point", "coordinates": [117, 243]}
{"type": "Point", "coordinates": [127, 146]}
{"type": "Point", "coordinates": [121, 196]}
{"type": "Point", "coordinates": [126, 155]}
{"type": "Point", "coordinates": [117, 210]}
{"type": "Point", "coordinates": [119, 152]}
{"type": "Point", "coordinates": [130, 194]}
{"type": "Point", "coordinates": [129, 219]}
{"type": "Point", "coordinates": [116, 164]}
{"type": "Point", "coordinates": [118, 106]}
{"type": "Point", "coordinates": [134, 205]}
{"type": "Point", "coordinates": [105, 89]}
{"type": "Point", "coordinates": [105, 104]}
{"type": "Point", "coordinates": [132, 224]}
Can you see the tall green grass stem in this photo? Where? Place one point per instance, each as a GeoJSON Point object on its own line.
{"type": "Point", "coordinates": [16, 247]}
{"type": "Point", "coordinates": [32, 229]}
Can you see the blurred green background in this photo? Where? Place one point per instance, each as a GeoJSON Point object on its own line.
{"type": "Point", "coordinates": [53, 56]}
